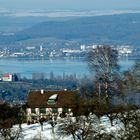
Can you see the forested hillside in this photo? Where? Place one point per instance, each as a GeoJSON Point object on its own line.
{"type": "Point", "coordinates": [114, 29]}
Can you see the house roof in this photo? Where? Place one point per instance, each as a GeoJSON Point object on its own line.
{"type": "Point", "coordinates": [38, 99]}
{"type": "Point", "coordinates": [7, 75]}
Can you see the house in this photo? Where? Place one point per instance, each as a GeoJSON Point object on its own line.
{"type": "Point", "coordinates": [7, 77]}
{"type": "Point", "coordinates": [45, 104]}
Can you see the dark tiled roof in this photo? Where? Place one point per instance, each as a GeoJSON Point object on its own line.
{"type": "Point", "coordinates": [65, 99]}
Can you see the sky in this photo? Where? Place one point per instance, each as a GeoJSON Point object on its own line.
{"type": "Point", "coordinates": [70, 4]}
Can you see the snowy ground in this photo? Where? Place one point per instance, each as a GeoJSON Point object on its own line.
{"type": "Point", "coordinates": [32, 131]}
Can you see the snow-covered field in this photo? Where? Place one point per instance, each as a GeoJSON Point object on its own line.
{"type": "Point", "coordinates": [32, 131]}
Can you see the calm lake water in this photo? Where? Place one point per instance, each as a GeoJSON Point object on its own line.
{"type": "Point", "coordinates": [68, 66]}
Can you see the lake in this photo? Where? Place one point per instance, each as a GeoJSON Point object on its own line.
{"type": "Point", "coordinates": [58, 66]}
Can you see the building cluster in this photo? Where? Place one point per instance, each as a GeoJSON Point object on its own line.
{"type": "Point", "coordinates": [125, 50]}
{"type": "Point", "coordinates": [41, 51]}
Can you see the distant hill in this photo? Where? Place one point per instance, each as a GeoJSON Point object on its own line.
{"type": "Point", "coordinates": [114, 29]}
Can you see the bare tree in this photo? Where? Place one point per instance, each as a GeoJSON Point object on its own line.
{"type": "Point", "coordinates": [10, 133]}
{"type": "Point", "coordinates": [129, 86]}
{"type": "Point", "coordinates": [80, 127]}
{"type": "Point", "coordinates": [84, 128]}
{"type": "Point", "coordinates": [136, 74]}
{"type": "Point", "coordinates": [129, 125]}
{"type": "Point", "coordinates": [9, 116]}
{"type": "Point", "coordinates": [53, 122]}
{"type": "Point", "coordinates": [39, 136]}
{"type": "Point", "coordinates": [103, 61]}
{"type": "Point", "coordinates": [67, 127]}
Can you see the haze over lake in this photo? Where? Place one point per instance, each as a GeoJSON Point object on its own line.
{"type": "Point", "coordinates": [58, 66]}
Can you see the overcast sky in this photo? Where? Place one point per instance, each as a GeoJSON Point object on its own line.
{"type": "Point", "coordinates": [71, 4]}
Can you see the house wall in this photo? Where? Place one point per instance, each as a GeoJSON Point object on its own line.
{"type": "Point", "coordinates": [37, 115]}
{"type": "Point", "coordinates": [7, 78]}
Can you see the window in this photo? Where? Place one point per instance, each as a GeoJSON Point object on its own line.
{"type": "Point", "coordinates": [52, 99]}
{"type": "Point", "coordinates": [51, 102]}
{"type": "Point", "coordinates": [54, 110]}
{"type": "Point", "coordinates": [32, 110]}
{"type": "Point", "coordinates": [42, 110]}
{"type": "Point", "coordinates": [65, 110]}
